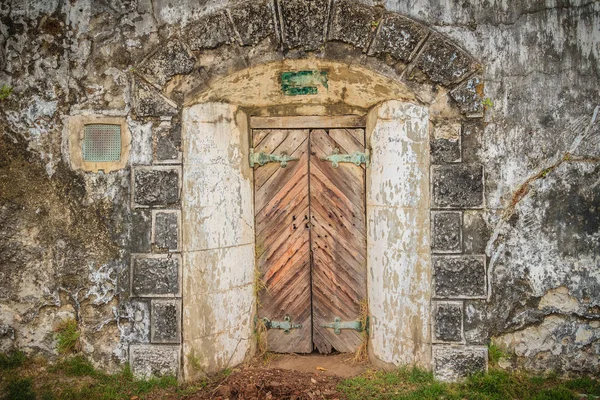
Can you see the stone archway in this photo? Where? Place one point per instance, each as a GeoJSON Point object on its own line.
{"type": "Point", "coordinates": [213, 70]}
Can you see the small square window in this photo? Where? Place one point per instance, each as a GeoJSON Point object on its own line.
{"type": "Point", "coordinates": [102, 143]}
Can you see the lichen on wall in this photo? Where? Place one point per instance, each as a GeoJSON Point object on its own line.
{"type": "Point", "coordinates": [66, 237]}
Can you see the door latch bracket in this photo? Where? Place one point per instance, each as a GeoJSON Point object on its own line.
{"type": "Point", "coordinates": [357, 158]}
{"type": "Point", "coordinates": [286, 325]}
{"type": "Point", "coordinates": [264, 158]}
{"type": "Point", "coordinates": [337, 325]}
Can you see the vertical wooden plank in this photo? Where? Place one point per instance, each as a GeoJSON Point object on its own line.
{"type": "Point", "coordinates": [282, 239]}
{"type": "Point", "coordinates": [338, 238]}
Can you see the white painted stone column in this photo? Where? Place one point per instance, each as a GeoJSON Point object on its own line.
{"type": "Point", "coordinates": [399, 264]}
{"type": "Point", "coordinates": [218, 239]}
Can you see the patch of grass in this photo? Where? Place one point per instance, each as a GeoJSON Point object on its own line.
{"type": "Point", "coordinates": [416, 384]}
{"type": "Point", "coordinates": [20, 389]}
{"type": "Point", "coordinates": [12, 360]}
{"type": "Point", "coordinates": [584, 385]}
{"type": "Point", "coordinates": [67, 335]}
{"type": "Point", "coordinates": [495, 353]}
{"type": "Point", "coordinates": [75, 366]}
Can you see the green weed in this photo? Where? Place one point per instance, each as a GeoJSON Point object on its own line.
{"type": "Point", "coordinates": [5, 91]}
{"type": "Point", "coordinates": [487, 103]}
{"type": "Point", "coordinates": [67, 335]}
{"type": "Point", "coordinates": [495, 353]}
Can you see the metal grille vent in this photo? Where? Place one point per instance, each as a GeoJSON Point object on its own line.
{"type": "Point", "coordinates": [102, 143]}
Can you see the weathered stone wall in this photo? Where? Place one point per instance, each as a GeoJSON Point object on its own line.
{"type": "Point", "coordinates": [515, 196]}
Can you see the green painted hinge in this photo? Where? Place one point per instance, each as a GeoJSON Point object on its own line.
{"type": "Point", "coordinates": [338, 325]}
{"type": "Point", "coordinates": [355, 158]}
{"type": "Point", "coordinates": [264, 158]}
{"type": "Point", "coordinates": [286, 325]}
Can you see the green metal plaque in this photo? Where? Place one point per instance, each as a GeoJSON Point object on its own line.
{"type": "Point", "coordinates": [298, 83]}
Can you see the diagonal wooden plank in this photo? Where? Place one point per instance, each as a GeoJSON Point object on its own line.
{"type": "Point", "coordinates": [338, 240]}
{"type": "Point", "coordinates": [283, 246]}
{"type": "Point", "coordinates": [292, 145]}
{"type": "Point", "coordinates": [282, 182]}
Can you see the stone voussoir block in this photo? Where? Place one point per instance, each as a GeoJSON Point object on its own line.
{"type": "Point", "coordinates": [167, 61]}
{"type": "Point", "coordinates": [448, 321]}
{"type": "Point", "coordinates": [166, 139]}
{"type": "Point", "coordinates": [157, 186]}
{"type": "Point", "coordinates": [457, 186]}
{"type": "Point", "coordinates": [469, 96]}
{"type": "Point", "coordinates": [210, 32]}
{"type": "Point", "coordinates": [455, 363]}
{"type": "Point", "coordinates": [166, 233]}
{"type": "Point", "coordinates": [156, 275]}
{"type": "Point", "coordinates": [303, 23]}
{"type": "Point", "coordinates": [149, 102]}
{"type": "Point", "coordinates": [459, 277]}
{"type": "Point", "coordinates": [354, 23]}
{"type": "Point", "coordinates": [166, 320]}
{"type": "Point", "coordinates": [253, 20]}
{"type": "Point", "coordinates": [443, 62]}
{"type": "Point", "coordinates": [398, 37]}
{"type": "Point", "coordinates": [148, 361]}
{"type": "Point", "coordinates": [446, 231]}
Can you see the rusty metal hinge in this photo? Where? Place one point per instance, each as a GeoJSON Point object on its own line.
{"type": "Point", "coordinates": [337, 325]}
{"type": "Point", "coordinates": [355, 158]}
{"type": "Point", "coordinates": [286, 325]}
{"type": "Point", "coordinates": [264, 158]}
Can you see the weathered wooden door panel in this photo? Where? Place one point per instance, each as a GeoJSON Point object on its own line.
{"type": "Point", "coordinates": [311, 239]}
{"type": "Point", "coordinates": [283, 238]}
{"type": "Point", "coordinates": [338, 238]}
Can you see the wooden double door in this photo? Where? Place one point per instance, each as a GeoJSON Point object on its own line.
{"type": "Point", "coordinates": [310, 239]}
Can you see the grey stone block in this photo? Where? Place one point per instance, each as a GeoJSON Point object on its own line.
{"type": "Point", "coordinates": [169, 60]}
{"type": "Point", "coordinates": [167, 142]}
{"type": "Point", "coordinates": [459, 276]}
{"type": "Point", "coordinates": [210, 32]}
{"type": "Point", "coordinates": [148, 102]}
{"type": "Point", "coordinates": [156, 187]}
{"type": "Point", "coordinates": [141, 231]}
{"type": "Point", "coordinates": [398, 37]}
{"type": "Point", "coordinates": [443, 62]}
{"type": "Point", "coordinates": [154, 361]}
{"type": "Point", "coordinates": [457, 186]}
{"type": "Point", "coordinates": [166, 319]}
{"type": "Point", "coordinates": [166, 230]}
{"type": "Point", "coordinates": [475, 232]}
{"type": "Point", "coordinates": [445, 150]}
{"type": "Point", "coordinates": [155, 276]}
{"type": "Point", "coordinates": [354, 23]}
{"type": "Point", "coordinates": [303, 23]}
{"type": "Point", "coordinates": [469, 96]}
{"type": "Point", "coordinates": [446, 231]}
{"type": "Point", "coordinates": [453, 363]}
{"type": "Point", "coordinates": [448, 322]}
{"type": "Point", "coordinates": [253, 20]}
{"type": "Point", "coordinates": [471, 140]}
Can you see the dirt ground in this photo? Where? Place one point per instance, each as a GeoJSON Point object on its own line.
{"type": "Point", "coordinates": [291, 377]}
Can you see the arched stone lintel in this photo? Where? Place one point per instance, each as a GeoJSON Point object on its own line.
{"type": "Point", "coordinates": [350, 32]}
